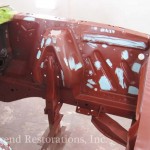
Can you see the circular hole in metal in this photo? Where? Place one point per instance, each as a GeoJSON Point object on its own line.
{"type": "Point", "coordinates": [12, 90]}
{"type": "Point", "coordinates": [141, 56]}
{"type": "Point", "coordinates": [95, 89]}
{"type": "Point", "coordinates": [86, 104]}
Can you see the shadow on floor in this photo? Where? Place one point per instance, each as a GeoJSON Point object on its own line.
{"type": "Point", "coordinates": [25, 126]}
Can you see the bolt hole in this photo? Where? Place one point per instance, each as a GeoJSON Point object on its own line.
{"type": "Point", "coordinates": [86, 104]}
{"type": "Point", "coordinates": [12, 90]}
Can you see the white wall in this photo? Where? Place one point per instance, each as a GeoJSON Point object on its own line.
{"type": "Point", "coordinates": [133, 14]}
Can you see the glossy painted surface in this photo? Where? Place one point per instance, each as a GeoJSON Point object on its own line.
{"type": "Point", "coordinates": [95, 67]}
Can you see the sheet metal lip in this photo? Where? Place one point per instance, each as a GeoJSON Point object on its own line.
{"type": "Point", "coordinates": [110, 40]}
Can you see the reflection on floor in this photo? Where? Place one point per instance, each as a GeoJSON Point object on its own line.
{"type": "Point", "coordinates": [25, 126]}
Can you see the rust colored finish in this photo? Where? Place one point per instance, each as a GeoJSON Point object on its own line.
{"type": "Point", "coordinates": [101, 69]}
{"type": "Point", "coordinates": [116, 132]}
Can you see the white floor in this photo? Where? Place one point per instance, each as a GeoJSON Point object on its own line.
{"type": "Point", "coordinates": [25, 118]}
